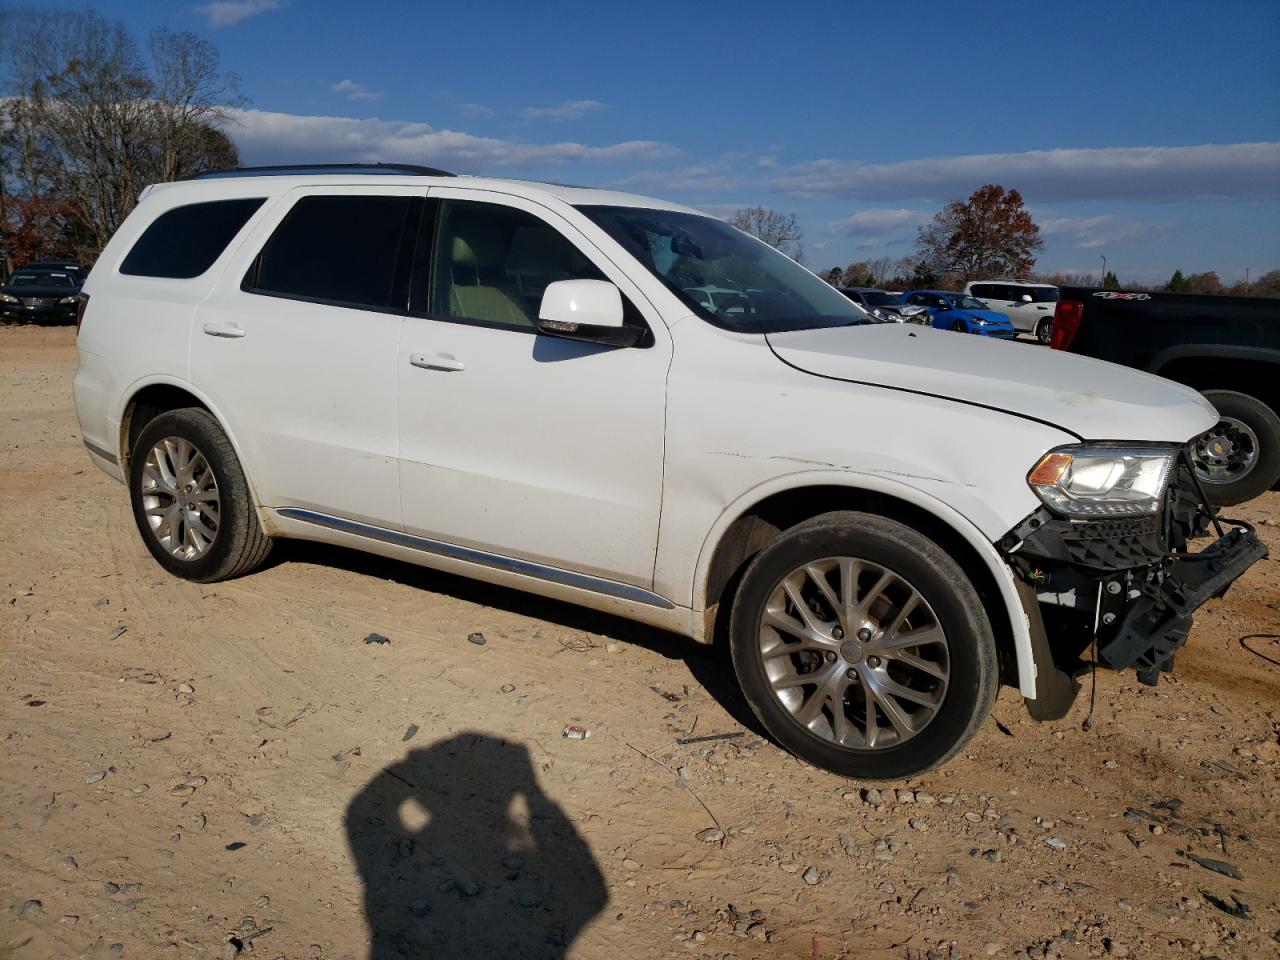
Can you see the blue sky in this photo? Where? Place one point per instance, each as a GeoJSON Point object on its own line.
{"type": "Point", "coordinates": [861, 118]}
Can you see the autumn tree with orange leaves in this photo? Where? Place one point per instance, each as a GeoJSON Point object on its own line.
{"type": "Point", "coordinates": [989, 235]}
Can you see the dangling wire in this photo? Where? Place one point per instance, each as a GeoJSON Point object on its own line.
{"type": "Point", "coordinates": [1087, 724]}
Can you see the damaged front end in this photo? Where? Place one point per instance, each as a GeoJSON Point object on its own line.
{"type": "Point", "coordinates": [1128, 586]}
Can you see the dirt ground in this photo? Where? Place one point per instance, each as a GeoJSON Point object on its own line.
{"type": "Point", "coordinates": [181, 765]}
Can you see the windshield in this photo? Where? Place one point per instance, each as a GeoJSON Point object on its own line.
{"type": "Point", "coordinates": [40, 280]}
{"type": "Point", "coordinates": [725, 276]}
{"type": "Point", "coordinates": [967, 303]}
{"type": "Point", "coordinates": [878, 298]}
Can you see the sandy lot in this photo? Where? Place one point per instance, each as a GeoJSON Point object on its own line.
{"type": "Point", "coordinates": [181, 765]}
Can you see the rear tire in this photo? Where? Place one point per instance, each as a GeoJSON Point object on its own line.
{"type": "Point", "coordinates": [191, 500]}
{"type": "Point", "coordinates": [1246, 422]}
{"type": "Point", "coordinates": [903, 707]}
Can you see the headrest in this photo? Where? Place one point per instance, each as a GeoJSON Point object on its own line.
{"type": "Point", "coordinates": [476, 243]}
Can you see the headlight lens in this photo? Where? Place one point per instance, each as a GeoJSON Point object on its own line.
{"type": "Point", "coordinates": [65, 300]}
{"type": "Point", "coordinates": [5, 298]}
{"type": "Point", "coordinates": [1103, 481]}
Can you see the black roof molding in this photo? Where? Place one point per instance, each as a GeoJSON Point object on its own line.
{"type": "Point", "coordinates": [284, 170]}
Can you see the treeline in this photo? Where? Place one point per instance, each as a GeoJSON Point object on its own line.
{"type": "Point", "coordinates": [88, 119]}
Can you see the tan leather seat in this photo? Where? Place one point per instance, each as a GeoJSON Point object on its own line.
{"type": "Point", "coordinates": [476, 266]}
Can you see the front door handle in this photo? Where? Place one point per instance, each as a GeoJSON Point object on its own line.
{"type": "Point", "coordinates": [437, 361]}
{"type": "Point", "coordinates": [232, 331]}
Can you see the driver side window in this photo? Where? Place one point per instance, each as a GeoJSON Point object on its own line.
{"type": "Point", "coordinates": [492, 264]}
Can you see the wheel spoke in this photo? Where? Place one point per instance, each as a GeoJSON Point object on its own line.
{"type": "Point", "coordinates": [890, 708]}
{"type": "Point", "coordinates": [798, 603]}
{"type": "Point", "coordinates": [935, 670]}
{"type": "Point", "coordinates": [864, 605]}
{"type": "Point", "coordinates": [904, 611]}
{"type": "Point", "coordinates": [925, 636]}
{"type": "Point", "coordinates": [819, 579]}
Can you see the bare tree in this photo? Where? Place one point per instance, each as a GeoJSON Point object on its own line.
{"type": "Point", "coordinates": [780, 230]}
{"type": "Point", "coordinates": [91, 123]}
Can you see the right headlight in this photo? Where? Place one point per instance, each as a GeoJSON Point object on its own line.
{"type": "Point", "coordinates": [5, 298]}
{"type": "Point", "coordinates": [1096, 481]}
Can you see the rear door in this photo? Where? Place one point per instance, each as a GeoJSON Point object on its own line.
{"type": "Point", "coordinates": [298, 351]}
{"type": "Point", "coordinates": [514, 444]}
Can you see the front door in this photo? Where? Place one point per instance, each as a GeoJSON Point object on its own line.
{"type": "Point", "coordinates": [513, 443]}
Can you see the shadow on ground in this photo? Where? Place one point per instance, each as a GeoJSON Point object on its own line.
{"type": "Point", "coordinates": [462, 855]}
{"type": "Point", "coordinates": [710, 666]}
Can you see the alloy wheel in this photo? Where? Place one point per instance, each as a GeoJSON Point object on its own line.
{"type": "Point", "coordinates": [180, 498]}
{"type": "Point", "coordinates": [854, 653]}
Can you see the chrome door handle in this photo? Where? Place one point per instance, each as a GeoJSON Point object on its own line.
{"type": "Point", "coordinates": [231, 331]}
{"type": "Point", "coordinates": [436, 361]}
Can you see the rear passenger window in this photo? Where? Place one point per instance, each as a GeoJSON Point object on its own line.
{"type": "Point", "coordinates": [985, 290]}
{"type": "Point", "coordinates": [340, 250]}
{"type": "Point", "coordinates": [184, 242]}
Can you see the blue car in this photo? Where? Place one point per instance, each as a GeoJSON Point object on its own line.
{"type": "Point", "coordinates": [962, 313]}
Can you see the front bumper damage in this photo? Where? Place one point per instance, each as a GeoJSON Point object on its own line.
{"type": "Point", "coordinates": [1128, 587]}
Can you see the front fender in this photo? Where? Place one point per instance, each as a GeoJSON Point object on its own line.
{"type": "Point", "coordinates": [1019, 625]}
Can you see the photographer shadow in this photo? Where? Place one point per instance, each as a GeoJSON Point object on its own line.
{"type": "Point", "coordinates": [462, 855]}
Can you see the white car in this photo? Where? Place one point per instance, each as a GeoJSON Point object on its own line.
{"type": "Point", "coordinates": [513, 381]}
{"type": "Point", "coordinates": [1030, 306]}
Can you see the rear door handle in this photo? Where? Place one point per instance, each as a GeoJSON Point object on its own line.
{"type": "Point", "coordinates": [231, 331]}
{"type": "Point", "coordinates": [437, 361]}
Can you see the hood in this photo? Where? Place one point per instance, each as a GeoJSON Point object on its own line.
{"type": "Point", "coordinates": [1092, 399]}
{"type": "Point", "coordinates": [41, 292]}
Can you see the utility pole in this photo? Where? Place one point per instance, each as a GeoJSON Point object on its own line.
{"type": "Point", "coordinates": [1104, 268]}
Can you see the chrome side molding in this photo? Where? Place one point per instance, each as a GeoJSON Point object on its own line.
{"type": "Point", "coordinates": [568, 578]}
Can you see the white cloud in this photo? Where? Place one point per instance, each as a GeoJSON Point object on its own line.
{"type": "Point", "coordinates": [561, 112]}
{"type": "Point", "coordinates": [703, 177]}
{"type": "Point", "coordinates": [475, 111]}
{"type": "Point", "coordinates": [1092, 232]}
{"type": "Point", "coordinates": [354, 91]}
{"type": "Point", "coordinates": [226, 13]}
{"type": "Point", "coordinates": [877, 222]}
{"type": "Point", "coordinates": [266, 137]}
{"type": "Point", "coordinates": [1237, 170]}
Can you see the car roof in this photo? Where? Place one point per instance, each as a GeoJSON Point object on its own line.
{"type": "Point", "coordinates": [936, 293]}
{"type": "Point", "coordinates": [232, 184]}
{"type": "Point", "coordinates": [1016, 283]}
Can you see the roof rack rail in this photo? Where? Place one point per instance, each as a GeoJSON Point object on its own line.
{"type": "Point", "coordinates": [280, 170]}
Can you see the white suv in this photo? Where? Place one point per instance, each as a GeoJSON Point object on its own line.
{"type": "Point", "coordinates": [1029, 306]}
{"type": "Point", "coordinates": [631, 406]}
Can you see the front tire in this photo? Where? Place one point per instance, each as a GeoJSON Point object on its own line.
{"type": "Point", "coordinates": [191, 500]}
{"type": "Point", "coordinates": [863, 648]}
{"type": "Point", "coordinates": [1044, 331]}
{"type": "Point", "coordinates": [1239, 458]}
{"type": "Point", "coordinates": [959, 327]}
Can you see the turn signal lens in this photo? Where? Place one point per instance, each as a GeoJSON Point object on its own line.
{"type": "Point", "coordinates": [1050, 470]}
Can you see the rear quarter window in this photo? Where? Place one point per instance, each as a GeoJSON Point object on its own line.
{"type": "Point", "coordinates": [184, 242]}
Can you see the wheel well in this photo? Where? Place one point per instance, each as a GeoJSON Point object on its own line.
{"type": "Point", "coordinates": [764, 522]}
{"type": "Point", "coordinates": [144, 406]}
{"type": "Point", "coordinates": [1258, 378]}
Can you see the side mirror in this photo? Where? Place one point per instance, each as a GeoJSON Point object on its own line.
{"type": "Point", "coordinates": [588, 310]}
{"type": "Point", "coordinates": [1026, 298]}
